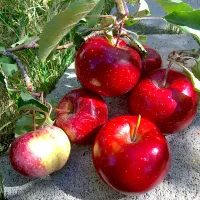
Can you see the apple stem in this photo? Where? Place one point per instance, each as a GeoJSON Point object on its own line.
{"type": "Point", "coordinates": [134, 133]}
{"type": "Point", "coordinates": [119, 33]}
{"type": "Point", "coordinates": [34, 123]}
{"type": "Point", "coordinates": [166, 74]}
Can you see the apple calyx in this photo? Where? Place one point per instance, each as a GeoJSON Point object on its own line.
{"type": "Point", "coordinates": [134, 131]}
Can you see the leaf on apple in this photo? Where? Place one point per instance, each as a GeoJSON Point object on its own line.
{"type": "Point", "coordinates": [61, 24]}
{"type": "Point", "coordinates": [96, 11]}
{"type": "Point", "coordinates": [27, 102]}
{"type": "Point", "coordinates": [25, 124]}
{"type": "Point", "coordinates": [174, 5]}
{"type": "Point", "coordinates": [138, 47]}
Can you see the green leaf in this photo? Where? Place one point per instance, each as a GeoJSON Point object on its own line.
{"type": "Point", "coordinates": [190, 19]}
{"type": "Point", "coordinates": [27, 102]}
{"type": "Point", "coordinates": [194, 32]}
{"type": "Point", "coordinates": [106, 22]}
{"type": "Point", "coordinates": [25, 124]}
{"type": "Point", "coordinates": [22, 41]}
{"type": "Point", "coordinates": [132, 2]}
{"type": "Point", "coordinates": [174, 5]}
{"type": "Point", "coordinates": [96, 11]}
{"type": "Point", "coordinates": [61, 24]}
{"type": "Point", "coordinates": [2, 48]}
{"type": "Point", "coordinates": [194, 80]}
{"type": "Point", "coordinates": [130, 22]}
{"type": "Point", "coordinates": [138, 47]}
{"type": "Point", "coordinates": [196, 69]}
{"type": "Point", "coordinates": [142, 38]}
{"type": "Point", "coordinates": [9, 69]}
{"type": "Point", "coordinates": [6, 60]}
{"type": "Point", "coordinates": [143, 9]}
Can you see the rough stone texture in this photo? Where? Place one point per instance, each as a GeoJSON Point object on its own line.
{"type": "Point", "coordinates": [78, 179]}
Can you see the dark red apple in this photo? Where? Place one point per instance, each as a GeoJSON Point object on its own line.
{"type": "Point", "coordinates": [171, 107]}
{"type": "Point", "coordinates": [152, 61]}
{"type": "Point", "coordinates": [131, 166]}
{"type": "Point", "coordinates": [41, 152]}
{"type": "Point", "coordinates": [81, 113]}
{"type": "Point", "coordinates": [105, 69]}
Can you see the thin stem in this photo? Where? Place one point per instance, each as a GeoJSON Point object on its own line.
{"type": "Point", "coordinates": [120, 30]}
{"type": "Point", "coordinates": [166, 74]}
{"type": "Point", "coordinates": [100, 16]}
{"type": "Point", "coordinates": [136, 129]}
{"type": "Point", "coordinates": [131, 32]}
{"type": "Point", "coordinates": [27, 80]}
{"type": "Point", "coordinates": [46, 115]}
{"type": "Point", "coordinates": [146, 18]}
{"type": "Point", "coordinates": [34, 123]}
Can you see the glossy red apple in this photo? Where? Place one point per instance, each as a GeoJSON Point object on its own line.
{"type": "Point", "coordinates": [81, 113]}
{"type": "Point", "coordinates": [172, 108]}
{"type": "Point", "coordinates": [41, 152]}
{"type": "Point", "coordinates": [152, 61]}
{"type": "Point", "coordinates": [131, 167]}
{"type": "Point", "coordinates": [105, 69]}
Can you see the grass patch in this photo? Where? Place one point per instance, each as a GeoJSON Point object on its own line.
{"type": "Point", "coordinates": [19, 19]}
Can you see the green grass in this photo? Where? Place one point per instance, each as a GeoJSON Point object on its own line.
{"type": "Point", "coordinates": [19, 18]}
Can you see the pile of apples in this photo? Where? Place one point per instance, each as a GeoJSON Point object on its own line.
{"type": "Point", "coordinates": [130, 153]}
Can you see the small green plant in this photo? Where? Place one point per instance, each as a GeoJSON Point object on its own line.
{"type": "Point", "coordinates": [2, 194]}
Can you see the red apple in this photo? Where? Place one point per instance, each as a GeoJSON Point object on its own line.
{"type": "Point", "coordinates": [171, 107]}
{"type": "Point", "coordinates": [105, 69]}
{"type": "Point", "coordinates": [41, 152]}
{"type": "Point", "coordinates": [152, 61]}
{"type": "Point", "coordinates": [131, 166]}
{"type": "Point", "coordinates": [81, 113]}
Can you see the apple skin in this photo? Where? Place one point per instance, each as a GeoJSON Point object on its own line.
{"type": "Point", "coordinates": [105, 69]}
{"type": "Point", "coordinates": [126, 166]}
{"type": "Point", "coordinates": [152, 62]}
{"type": "Point", "coordinates": [88, 112]}
{"type": "Point", "coordinates": [171, 108]}
{"type": "Point", "coordinates": [41, 152]}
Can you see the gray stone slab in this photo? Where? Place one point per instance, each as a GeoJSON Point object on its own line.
{"type": "Point", "coordinates": [78, 179]}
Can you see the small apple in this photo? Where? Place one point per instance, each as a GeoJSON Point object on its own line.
{"type": "Point", "coordinates": [152, 61]}
{"type": "Point", "coordinates": [81, 113]}
{"type": "Point", "coordinates": [105, 69]}
{"type": "Point", "coordinates": [129, 158]}
{"type": "Point", "coordinates": [41, 152]}
{"type": "Point", "coordinates": [171, 106]}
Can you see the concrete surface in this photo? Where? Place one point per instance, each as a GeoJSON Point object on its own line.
{"type": "Point", "coordinates": [78, 179]}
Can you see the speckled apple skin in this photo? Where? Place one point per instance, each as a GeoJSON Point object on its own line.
{"type": "Point", "coordinates": [105, 69]}
{"type": "Point", "coordinates": [41, 152]}
{"type": "Point", "coordinates": [89, 114]}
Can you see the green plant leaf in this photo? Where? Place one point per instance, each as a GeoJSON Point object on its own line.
{"type": "Point", "coordinates": [132, 2]}
{"type": "Point", "coordinates": [24, 40]}
{"type": "Point", "coordinates": [174, 5]}
{"type": "Point", "coordinates": [2, 48]}
{"type": "Point", "coordinates": [130, 22]}
{"type": "Point", "coordinates": [189, 19]}
{"type": "Point", "coordinates": [61, 24]}
{"type": "Point", "coordinates": [142, 38]}
{"type": "Point", "coordinates": [143, 9]}
{"type": "Point", "coordinates": [9, 69]}
{"type": "Point", "coordinates": [27, 102]}
{"type": "Point", "coordinates": [25, 124]}
{"type": "Point", "coordinates": [96, 11]}
{"type": "Point", "coordinates": [138, 47]}
{"type": "Point", "coordinates": [195, 33]}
